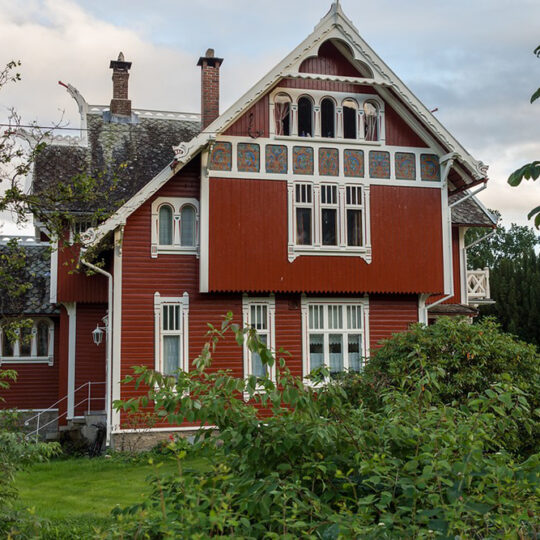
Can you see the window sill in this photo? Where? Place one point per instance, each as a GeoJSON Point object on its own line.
{"type": "Point", "coordinates": [328, 140]}
{"type": "Point", "coordinates": [174, 250]}
{"type": "Point", "coordinates": [27, 360]}
{"type": "Point", "coordinates": [329, 251]}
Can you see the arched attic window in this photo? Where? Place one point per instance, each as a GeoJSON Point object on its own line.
{"type": "Point", "coordinates": [350, 114]}
{"type": "Point", "coordinates": [305, 117]}
{"type": "Point", "coordinates": [328, 118]}
{"type": "Point", "coordinates": [371, 121]}
{"type": "Point", "coordinates": [165, 225]}
{"type": "Point", "coordinates": [282, 114]}
{"type": "Point", "coordinates": [187, 226]}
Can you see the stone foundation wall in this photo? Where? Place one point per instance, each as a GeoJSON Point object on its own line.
{"type": "Point", "coordinates": [144, 440]}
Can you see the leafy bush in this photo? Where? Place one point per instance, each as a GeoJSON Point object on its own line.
{"type": "Point", "coordinates": [456, 359]}
{"type": "Point", "coordinates": [322, 467]}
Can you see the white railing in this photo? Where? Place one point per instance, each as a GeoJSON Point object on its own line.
{"type": "Point", "coordinates": [478, 284]}
{"type": "Point", "coordinates": [88, 398]}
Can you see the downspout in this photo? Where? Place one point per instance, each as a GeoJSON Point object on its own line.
{"type": "Point", "coordinates": [448, 164]}
{"type": "Point", "coordinates": [109, 340]}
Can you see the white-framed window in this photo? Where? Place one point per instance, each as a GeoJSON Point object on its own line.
{"type": "Point", "coordinates": [175, 226]}
{"type": "Point", "coordinates": [171, 333]}
{"type": "Point", "coordinates": [79, 227]}
{"type": "Point", "coordinates": [329, 219]}
{"type": "Point", "coordinates": [335, 334]}
{"type": "Point", "coordinates": [33, 344]}
{"type": "Point", "coordinates": [259, 314]}
{"type": "Point", "coordinates": [327, 115]}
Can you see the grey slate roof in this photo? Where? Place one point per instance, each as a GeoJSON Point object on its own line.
{"type": "Point", "coordinates": [142, 148]}
{"type": "Point", "coordinates": [37, 271]}
{"type": "Point", "coordinates": [470, 212]}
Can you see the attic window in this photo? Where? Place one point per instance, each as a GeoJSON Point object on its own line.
{"type": "Point", "coordinates": [328, 118]}
{"type": "Point", "coordinates": [282, 114]}
{"type": "Point", "coordinates": [305, 117]}
{"type": "Point", "coordinates": [350, 112]}
{"type": "Point", "coordinates": [371, 122]}
{"type": "Point", "coordinates": [175, 226]}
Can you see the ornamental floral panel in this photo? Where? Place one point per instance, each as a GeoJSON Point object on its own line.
{"type": "Point", "coordinates": [302, 160]}
{"type": "Point", "coordinates": [221, 159]}
{"type": "Point", "coordinates": [353, 163]}
{"type": "Point", "coordinates": [430, 168]}
{"type": "Point", "coordinates": [276, 159]}
{"type": "Point", "coordinates": [328, 162]}
{"type": "Point", "coordinates": [405, 166]}
{"type": "Point", "coordinates": [379, 164]}
{"type": "Point", "coordinates": [248, 159]}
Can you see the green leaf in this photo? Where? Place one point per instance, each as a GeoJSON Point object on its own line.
{"type": "Point", "coordinates": [535, 96]}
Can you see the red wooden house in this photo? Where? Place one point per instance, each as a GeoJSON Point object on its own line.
{"type": "Point", "coordinates": [326, 207]}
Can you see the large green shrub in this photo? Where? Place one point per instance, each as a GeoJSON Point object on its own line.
{"type": "Point", "coordinates": [321, 467]}
{"type": "Point", "coordinates": [461, 359]}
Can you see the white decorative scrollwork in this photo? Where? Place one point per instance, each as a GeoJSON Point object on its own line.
{"type": "Point", "coordinates": [180, 151]}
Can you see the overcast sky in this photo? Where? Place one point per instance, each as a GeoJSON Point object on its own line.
{"type": "Point", "coordinates": [472, 59]}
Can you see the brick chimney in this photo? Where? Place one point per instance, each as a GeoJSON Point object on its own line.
{"type": "Point", "coordinates": [209, 87]}
{"type": "Point", "coordinates": [120, 104]}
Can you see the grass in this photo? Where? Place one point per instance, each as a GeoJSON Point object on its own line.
{"type": "Point", "coordinates": [84, 491]}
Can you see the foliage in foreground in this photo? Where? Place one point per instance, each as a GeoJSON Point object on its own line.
{"type": "Point", "coordinates": [322, 465]}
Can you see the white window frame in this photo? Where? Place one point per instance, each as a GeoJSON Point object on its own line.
{"type": "Point", "coordinates": [317, 96]}
{"type": "Point", "coordinates": [176, 204]}
{"type": "Point", "coordinates": [33, 358]}
{"type": "Point", "coordinates": [363, 303]}
{"type": "Point", "coordinates": [270, 303]}
{"type": "Point", "coordinates": [317, 247]}
{"type": "Point", "coordinates": [182, 332]}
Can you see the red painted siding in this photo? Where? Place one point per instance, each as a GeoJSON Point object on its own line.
{"type": "Point", "coordinates": [456, 265]}
{"type": "Point", "coordinates": [398, 133]}
{"type": "Point", "coordinates": [288, 321]}
{"type": "Point", "coordinates": [389, 315]}
{"type": "Point", "coordinates": [256, 125]}
{"type": "Point", "coordinates": [37, 384]}
{"type": "Point", "coordinates": [250, 253]}
{"type": "Point", "coordinates": [328, 86]}
{"type": "Point", "coordinates": [170, 275]}
{"type": "Point", "coordinates": [329, 61]}
{"type": "Point", "coordinates": [76, 286]}
{"type": "Point", "coordinates": [89, 358]}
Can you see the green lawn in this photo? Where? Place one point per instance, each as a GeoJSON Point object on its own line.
{"type": "Point", "coordinates": [86, 490]}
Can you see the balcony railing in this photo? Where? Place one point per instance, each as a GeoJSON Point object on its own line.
{"type": "Point", "coordinates": [478, 285]}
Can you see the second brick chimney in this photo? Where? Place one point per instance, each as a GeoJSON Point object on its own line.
{"type": "Point", "coordinates": [120, 104]}
{"type": "Point", "coordinates": [209, 87]}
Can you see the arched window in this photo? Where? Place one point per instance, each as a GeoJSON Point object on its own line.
{"type": "Point", "coordinates": [350, 110]}
{"type": "Point", "coordinates": [305, 117]}
{"type": "Point", "coordinates": [371, 121]}
{"type": "Point", "coordinates": [282, 114]}
{"type": "Point", "coordinates": [328, 118]}
{"type": "Point", "coordinates": [187, 225]}
{"type": "Point", "coordinates": [165, 225]}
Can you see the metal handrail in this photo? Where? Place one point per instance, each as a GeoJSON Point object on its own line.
{"type": "Point", "coordinates": [87, 399]}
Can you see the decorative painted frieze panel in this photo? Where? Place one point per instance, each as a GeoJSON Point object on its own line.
{"type": "Point", "coordinates": [328, 162]}
{"type": "Point", "coordinates": [302, 160]}
{"type": "Point", "coordinates": [405, 166]}
{"type": "Point", "coordinates": [248, 157]}
{"type": "Point", "coordinates": [221, 159]}
{"type": "Point", "coordinates": [276, 159]}
{"type": "Point", "coordinates": [430, 168]}
{"type": "Point", "coordinates": [353, 163]}
{"type": "Point", "coordinates": [379, 164]}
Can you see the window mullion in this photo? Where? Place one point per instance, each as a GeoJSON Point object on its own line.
{"type": "Point", "coordinates": [316, 218]}
{"type": "Point", "coordinates": [342, 217]}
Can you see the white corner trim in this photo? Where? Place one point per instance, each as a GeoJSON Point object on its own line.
{"type": "Point", "coordinates": [71, 308]}
{"type": "Point", "coordinates": [116, 359]}
{"type": "Point", "coordinates": [204, 230]}
{"type": "Point", "coordinates": [53, 291]}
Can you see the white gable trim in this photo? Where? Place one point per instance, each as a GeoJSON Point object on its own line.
{"type": "Point", "coordinates": [333, 25]}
